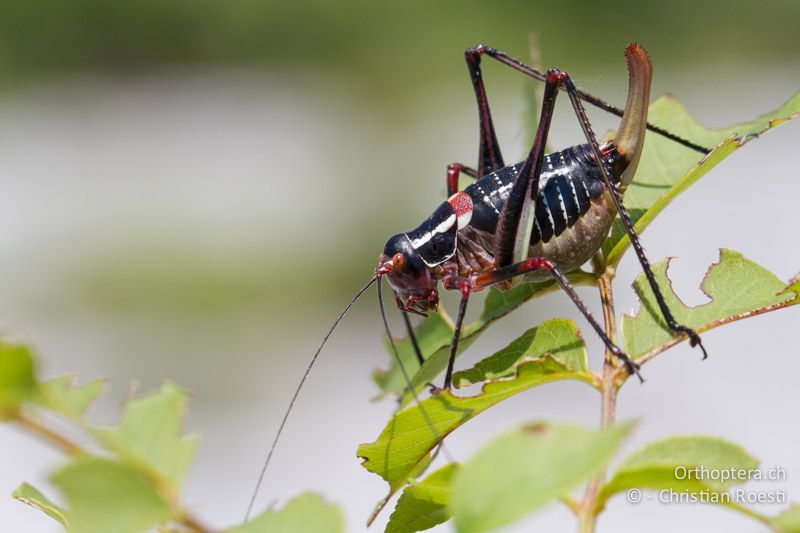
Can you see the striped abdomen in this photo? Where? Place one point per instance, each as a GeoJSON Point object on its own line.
{"type": "Point", "coordinates": [574, 212]}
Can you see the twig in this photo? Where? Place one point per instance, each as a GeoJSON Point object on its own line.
{"type": "Point", "coordinates": [610, 382]}
{"type": "Point", "coordinates": [71, 448]}
{"type": "Point", "coordinates": [48, 435]}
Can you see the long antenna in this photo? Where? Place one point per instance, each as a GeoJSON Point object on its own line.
{"type": "Point", "coordinates": [413, 392]}
{"type": "Point", "coordinates": [297, 393]}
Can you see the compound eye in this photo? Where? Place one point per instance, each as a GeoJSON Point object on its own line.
{"type": "Point", "coordinates": [398, 261]}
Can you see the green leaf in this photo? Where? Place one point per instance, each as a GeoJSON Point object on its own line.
{"type": "Point", "coordinates": [527, 468]}
{"type": "Point", "coordinates": [105, 495]}
{"type": "Point", "coordinates": [423, 504]}
{"type": "Point", "coordinates": [17, 378]}
{"type": "Point", "coordinates": [497, 304]}
{"type": "Point", "coordinates": [558, 337]}
{"type": "Point", "coordinates": [683, 464]}
{"type": "Point", "coordinates": [788, 521]}
{"type": "Point", "coordinates": [413, 432]}
{"type": "Point", "coordinates": [433, 333]}
{"type": "Point", "coordinates": [737, 287]}
{"type": "Point", "coordinates": [149, 434]}
{"type": "Point", "coordinates": [306, 513]}
{"type": "Point", "coordinates": [63, 396]}
{"type": "Point", "coordinates": [30, 495]}
{"type": "Point", "coordinates": [667, 169]}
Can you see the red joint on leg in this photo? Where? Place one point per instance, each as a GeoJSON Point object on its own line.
{"type": "Point", "coordinates": [555, 75]}
{"type": "Point", "coordinates": [465, 287]}
{"type": "Point", "coordinates": [452, 177]}
{"type": "Point", "coordinates": [535, 263]}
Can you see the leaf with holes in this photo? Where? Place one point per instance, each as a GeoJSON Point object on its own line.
{"type": "Point", "coordinates": [667, 169]}
{"type": "Point", "coordinates": [63, 396]}
{"type": "Point", "coordinates": [150, 434]}
{"type": "Point", "coordinates": [737, 288]}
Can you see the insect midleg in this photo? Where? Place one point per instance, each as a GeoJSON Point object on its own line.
{"type": "Point", "coordinates": [481, 281]}
{"type": "Point", "coordinates": [453, 172]}
{"type": "Point", "coordinates": [694, 338]}
{"type": "Point", "coordinates": [517, 65]}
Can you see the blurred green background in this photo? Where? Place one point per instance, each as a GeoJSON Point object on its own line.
{"type": "Point", "coordinates": [379, 43]}
{"type": "Point", "coordinates": [387, 63]}
{"type": "Point", "coordinates": [191, 189]}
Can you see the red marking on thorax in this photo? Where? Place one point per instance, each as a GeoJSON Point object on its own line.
{"type": "Point", "coordinates": [462, 204]}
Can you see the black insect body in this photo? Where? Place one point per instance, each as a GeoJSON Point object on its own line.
{"type": "Point", "coordinates": [571, 219]}
{"type": "Point", "coordinates": [537, 219]}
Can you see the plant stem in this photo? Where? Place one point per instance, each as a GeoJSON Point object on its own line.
{"type": "Point", "coordinates": [67, 446]}
{"type": "Point", "coordinates": [191, 523]}
{"type": "Point", "coordinates": [48, 435]}
{"type": "Point", "coordinates": [609, 387]}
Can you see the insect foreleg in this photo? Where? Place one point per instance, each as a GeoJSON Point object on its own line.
{"type": "Point", "coordinates": [481, 281]}
{"type": "Point", "coordinates": [462, 310]}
